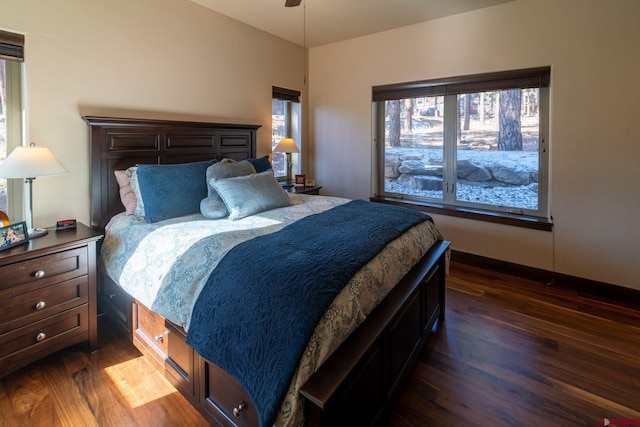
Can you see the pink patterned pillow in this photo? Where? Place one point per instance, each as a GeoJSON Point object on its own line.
{"type": "Point", "coordinates": [127, 196]}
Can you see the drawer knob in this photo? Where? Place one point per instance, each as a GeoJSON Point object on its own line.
{"type": "Point", "coordinates": [238, 409]}
{"type": "Point", "coordinates": [41, 336]}
{"type": "Point", "coordinates": [39, 274]}
{"type": "Point", "coordinates": [40, 305]}
{"type": "Point", "coordinates": [159, 338]}
{"type": "Point", "coordinates": [112, 296]}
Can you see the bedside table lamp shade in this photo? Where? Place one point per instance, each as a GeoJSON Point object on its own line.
{"type": "Point", "coordinates": [288, 146]}
{"type": "Point", "coordinates": [29, 163]}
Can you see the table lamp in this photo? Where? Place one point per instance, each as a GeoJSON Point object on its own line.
{"type": "Point", "coordinates": [29, 163]}
{"type": "Point", "coordinates": [288, 146]}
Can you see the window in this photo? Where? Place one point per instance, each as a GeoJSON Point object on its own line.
{"type": "Point", "coordinates": [475, 143]}
{"type": "Point", "coordinates": [285, 123]}
{"type": "Point", "coordinates": [11, 57]}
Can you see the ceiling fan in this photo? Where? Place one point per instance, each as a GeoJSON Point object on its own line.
{"type": "Point", "coordinates": [292, 3]}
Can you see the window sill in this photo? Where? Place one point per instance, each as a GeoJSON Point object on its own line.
{"type": "Point", "coordinates": [524, 221]}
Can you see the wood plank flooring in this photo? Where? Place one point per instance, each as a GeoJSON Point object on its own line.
{"type": "Point", "coordinates": [511, 352]}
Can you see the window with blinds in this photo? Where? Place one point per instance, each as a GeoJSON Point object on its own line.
{"type": "Point", "coordinates": [11, 59]}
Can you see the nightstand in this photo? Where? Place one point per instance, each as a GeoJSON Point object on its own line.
{"type": "Point", "coordinates": [304, 190]}
{"type": "Point", "coordinates": [48, 296]}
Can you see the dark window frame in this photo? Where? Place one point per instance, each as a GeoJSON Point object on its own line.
{"type": "Point", "coordinates": [533, 77]}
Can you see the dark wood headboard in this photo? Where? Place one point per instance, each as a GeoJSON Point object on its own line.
{"type": "Point", "coordinates": [116, 144]}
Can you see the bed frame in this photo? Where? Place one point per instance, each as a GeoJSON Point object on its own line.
{"type": "Point", "coordinates": [357, 385]}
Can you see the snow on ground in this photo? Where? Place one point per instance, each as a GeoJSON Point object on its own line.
{"type": "Point", "coordinates": [497, 195]}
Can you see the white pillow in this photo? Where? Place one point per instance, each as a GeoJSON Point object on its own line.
{"type": "Point", "coordinates": [132, 173]}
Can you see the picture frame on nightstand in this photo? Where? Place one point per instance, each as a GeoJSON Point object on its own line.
{"type": "Point", "coordinates": [310, 182]}
{"type": "Point", "coordinates": [13, 235]}
{"type": "Point", "coordinates": [300, 180]}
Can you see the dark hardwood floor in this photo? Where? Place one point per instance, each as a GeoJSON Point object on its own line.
{"type": "Point", "coordinates": [511, 352]}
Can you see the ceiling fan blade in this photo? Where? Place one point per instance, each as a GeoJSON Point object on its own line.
{"type": "Point", "coordinates": [292, 3]}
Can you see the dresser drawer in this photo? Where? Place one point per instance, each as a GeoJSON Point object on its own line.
{"type": "Point", "coordinates": [45, 333]}
{"type": "Point", "coordinates": [43, 271]}
{"type": "Point", "coordinates": [36, 305]}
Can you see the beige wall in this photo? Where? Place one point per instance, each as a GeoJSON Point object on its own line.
{"type": "Point", "coordinates": [592, 47]}
{"type": "Point", "coordinates": [167, 59]}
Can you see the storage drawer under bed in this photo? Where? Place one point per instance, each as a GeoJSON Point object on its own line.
{"type": "Point", "coordinates": [224, 397]}
{"type": "Point", "coordinates": [166, 344]}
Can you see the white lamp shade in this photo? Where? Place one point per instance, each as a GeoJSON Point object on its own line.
{"type": "Point", "coordinates": [286, 145]}
{"type": "Point", "coordinates": [30, 162]}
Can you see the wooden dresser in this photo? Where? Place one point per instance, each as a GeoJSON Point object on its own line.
{"type": "Point", "coordinates": [47, 296]}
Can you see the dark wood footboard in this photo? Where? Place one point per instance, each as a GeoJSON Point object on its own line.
{"type": "Point", "coordinates": [356, 386]}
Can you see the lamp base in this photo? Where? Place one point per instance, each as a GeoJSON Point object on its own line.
{"type": "Point", "coordinates": [286, 184]}
{"type": "Point", "coordinates": [37, 232]}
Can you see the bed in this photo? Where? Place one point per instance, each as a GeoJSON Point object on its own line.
{"type": "Point", "coordinates": [350, 376]}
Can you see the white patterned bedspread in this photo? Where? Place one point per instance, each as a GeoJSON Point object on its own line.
{"type": "Point", "coordinates": [164, 265]}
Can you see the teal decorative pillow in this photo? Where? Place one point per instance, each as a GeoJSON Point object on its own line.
{"type": "Point", "coordinates": [169, 191]}
{"type": "Point", "coordinates": [262, 164]}
{"type": "Point", "coordinates": [251, 194]}
{"type": "Point", "coordinates": [212, 207]}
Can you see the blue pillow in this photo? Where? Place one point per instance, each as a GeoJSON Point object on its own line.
{"type": "Point", "coordinates": [169, 191]}
{"type": "Point", "coordinates": [250, 194]}
{"type": "Point", "coordinates": [262, 164]}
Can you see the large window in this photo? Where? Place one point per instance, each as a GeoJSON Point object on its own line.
{"type": "Point", "coordinates": [476, 142]}
{"type": "Point", "coordinates": [11, 57]}
{"type": "Point", "coordinates": [285, 123]}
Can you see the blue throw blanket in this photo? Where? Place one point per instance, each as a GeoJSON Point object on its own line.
{"type": "Point", "coordinates": [262, 302]}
